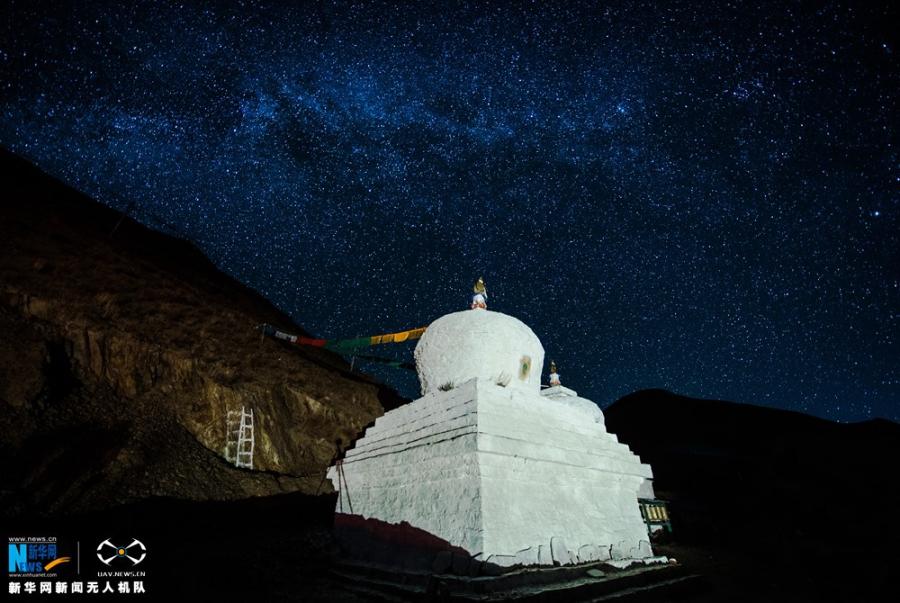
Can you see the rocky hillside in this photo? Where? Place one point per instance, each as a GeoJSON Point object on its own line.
{"type": "Point", "coordinates": [122, 349]}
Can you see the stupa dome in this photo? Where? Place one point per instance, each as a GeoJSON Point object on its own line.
{"type": "Point", "coordinates": [479, 344]}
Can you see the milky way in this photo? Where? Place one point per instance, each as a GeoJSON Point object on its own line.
{"type": "Point", "coordinates": [700, 199]}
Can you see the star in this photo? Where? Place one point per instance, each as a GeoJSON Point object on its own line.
{"type": "Point", "coordinates": [676, 201]}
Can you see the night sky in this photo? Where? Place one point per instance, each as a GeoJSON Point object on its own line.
{"type": "Point", "coordinates": [704, 199]}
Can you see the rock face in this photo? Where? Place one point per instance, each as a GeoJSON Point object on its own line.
{"type": "Point", "coordinates": [500, 471]}
{"type": "Point", "coordinates": [125, 348]}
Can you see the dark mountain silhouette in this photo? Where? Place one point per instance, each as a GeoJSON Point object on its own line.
{"type": "Point", "coordinates": [782, 505]}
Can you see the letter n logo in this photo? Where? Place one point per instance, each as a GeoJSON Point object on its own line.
{"type": "Point", "coordinates": [18, 558]}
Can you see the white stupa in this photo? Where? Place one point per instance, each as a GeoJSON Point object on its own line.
{"type": "Point", "coordinates": [490, 463]}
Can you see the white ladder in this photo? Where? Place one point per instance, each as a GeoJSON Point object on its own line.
{"type": "Point", "coordinates": [239, 439]}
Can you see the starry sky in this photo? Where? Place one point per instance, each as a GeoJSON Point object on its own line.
{"type": "Point", "coordinates": [702, 197]}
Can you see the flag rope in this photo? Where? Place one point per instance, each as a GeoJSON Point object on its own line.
{"type": "Point", "coordinates": [343, 345]}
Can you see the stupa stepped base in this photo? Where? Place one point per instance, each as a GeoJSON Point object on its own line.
{"type": "Point", "coordinates": [507, 476]}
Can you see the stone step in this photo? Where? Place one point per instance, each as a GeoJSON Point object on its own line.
{"type": "Point", "coordinates": [387, 441]}
{"type": "Point", "coordinates": [558, 584]}
{"type": "Point", "coordinates": [453, 439]}
{"type": "Point", "coordinates": [378, 589]}
{"type": "Point", "coordinates": [408, 469]}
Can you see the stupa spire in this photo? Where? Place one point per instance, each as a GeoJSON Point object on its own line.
{"type": "Point", "coordinates": [479, 295]}
{"type": "Point", "coordinates": [554, 376]}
